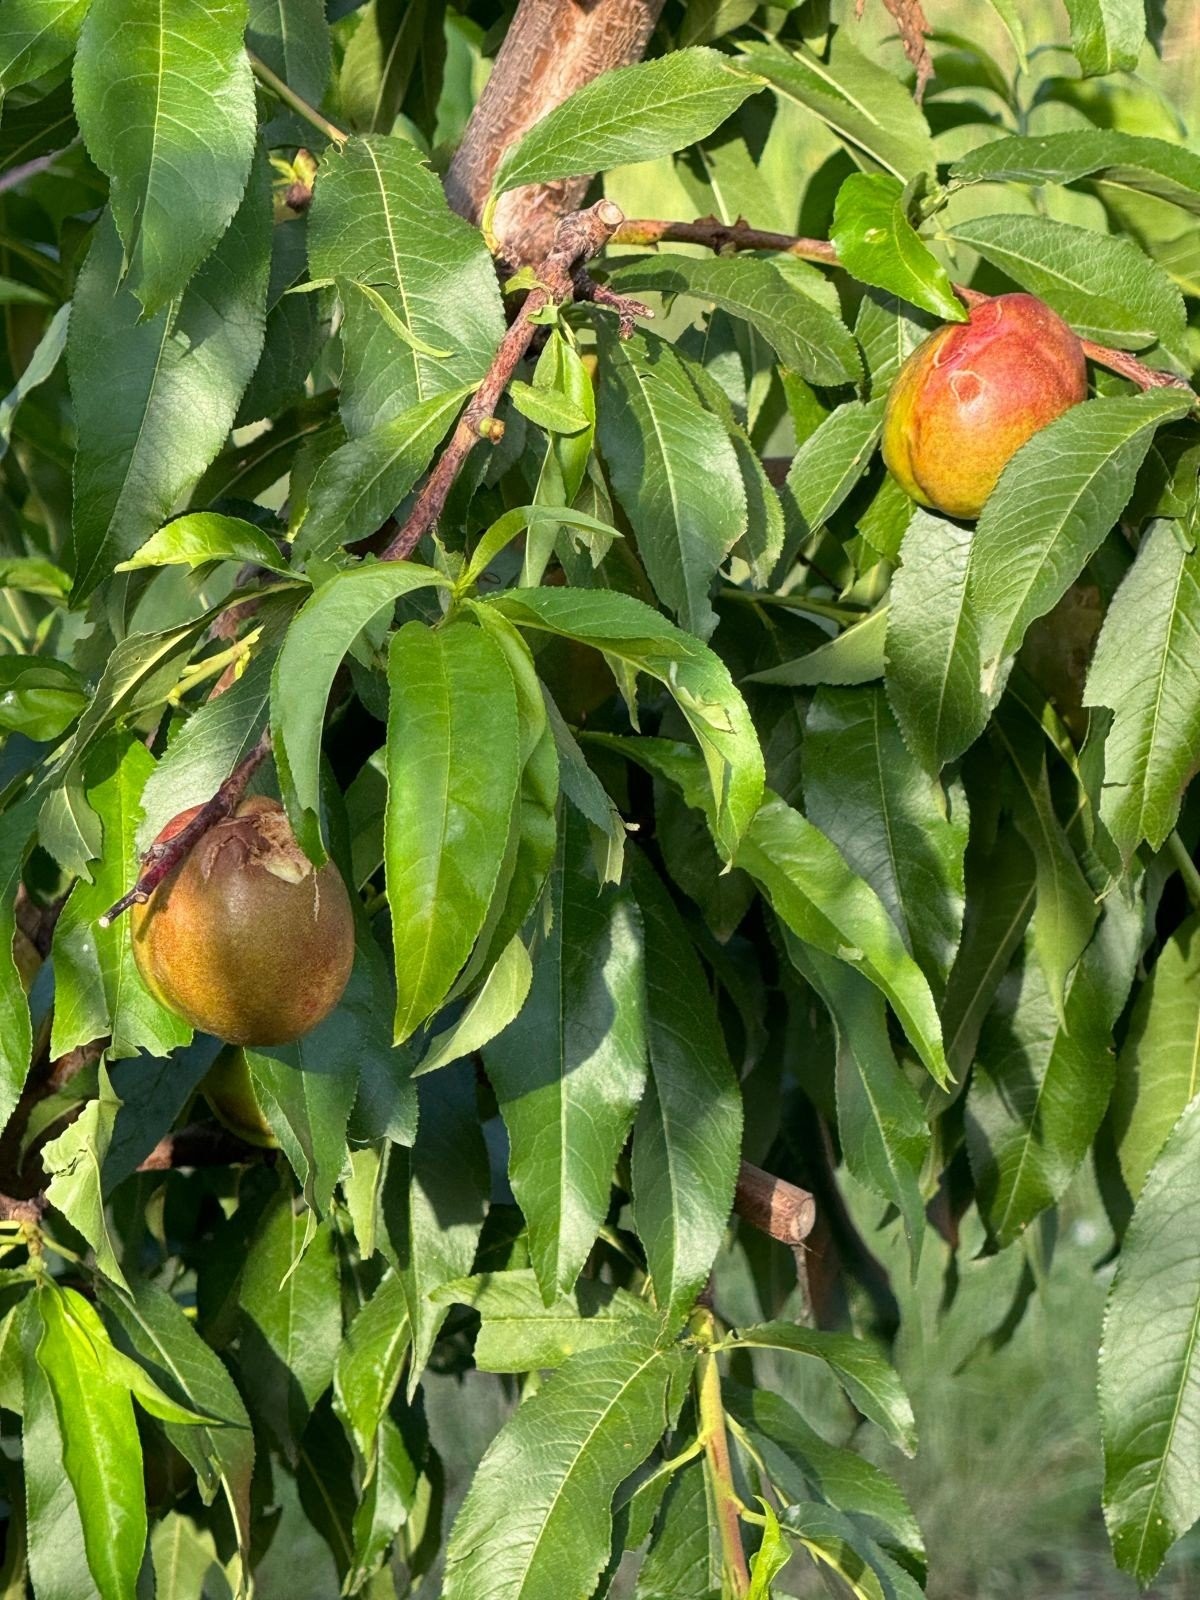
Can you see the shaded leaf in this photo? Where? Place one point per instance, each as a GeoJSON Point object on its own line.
{"type": "Point", "coordinates": [167, 111]}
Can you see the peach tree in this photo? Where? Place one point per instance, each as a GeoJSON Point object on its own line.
{"type": "Point", "coordinates": [458, 426]}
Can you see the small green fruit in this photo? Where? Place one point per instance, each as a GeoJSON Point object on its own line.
{"type": "Point", "coordinates": [229, 1090]}
{"type": "Point", "coordinates": [967, 399]}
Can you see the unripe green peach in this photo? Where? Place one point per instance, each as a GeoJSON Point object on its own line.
{"type": "Point", "coordinates": [28, 958]}
{"type": "Point", "coordinates": [967, 399]}
{"type": "Point", "coordinates": [246, 939]}
{"type": "Point", "coordinates": [229, 1090]}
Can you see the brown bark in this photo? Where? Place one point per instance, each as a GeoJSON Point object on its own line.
{"type": "Point", "coordinates": [552, 48]}
{"type": "Point", "coordinates": [774, 1205]}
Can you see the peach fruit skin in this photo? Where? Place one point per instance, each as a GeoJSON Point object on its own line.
{"type": "Point", "coordinates": [238, 950]}
{"type": "Point", "coordinates": [967, 399]}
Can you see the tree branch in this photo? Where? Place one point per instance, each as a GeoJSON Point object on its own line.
{"type": "Point", "coordinates": [165, 855]}
{"type": "Point", "coordinates": [774, 1206]}
{"type": "Point", "coordinates": [552, 48]}
{"type": "Point", "coordinates": [577, 238]}
{"type": "Point", "coordinates": [717, 235]}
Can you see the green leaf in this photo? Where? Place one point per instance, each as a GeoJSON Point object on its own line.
{"type": "Point", "coordinates": [38, 129]}
{"type": "Point", "coordinates": [39, 367]}
{"type": "Point", "coordinates": [152, 1326]}
{"type": "Point", "coordinates": [452, 784]}
{"type": "Point", "coordinates": [434, 1202]}
{"type": "Point", "coordinates": [803, 1466]}
{"type": "Point", "coordinates": [53, 1530]}
{"type": "Point", "coordinates": [204, 536]}
{"type": "Point", "coordinates": [1118, 160]}
{"type": "Point", "coordinates": [291, 1322]}
{"type": "Point", "coordinates": [893, 823]}
{"type": "Point", "coordinates": [687, 1138]}
{"type": "Point", "coordinates": [855, 656]}
{"type": "Point", "coordinates": [16, 1033]}
{"type": "Point", "coordinates": [674, 471]}
{"type": "Point", "coordinates": [568, 1447]}
{"type": "Point", "coordinates": [36, 36]}
{"type": "Point", "coordinates": [863, 103]}
{"type": "Point", "coordinates": [98, 989]}
{"type": "Point", "coordinates": [1104, 286]}
{"type": "Point", "coordinates": [489, 1013]}
{"type": "Point", "coordinates": [1001, 892]}
{"type": "Point", "coordinates": [589, 796]}
{"type": "Point", "coordinates": [1150, 1362]}
{"type": "Point", "coordinates": [806, 336]}
{"type": "Point", "coordinates": [39, 697]}
{"type": "Point", "coordinates": [185, 1559]}
{"type": "Point", "coordinates": [626, 115]}
{"type": "Point", "coordinates": [393, 319]}
{"type": "Point", "coordinates": [1106, 35]}
{"type": "Point", "coordinates": [825, 469]}
{"type": "Point", "coordinates": [699, 682]}
{"type": "Point", "coordinates": [548, 408]}
{"type": "Point", "coordinates": [369, 1364]}
{"type": "Point", "coordinates": [878, 245]}
{"type": "Point", "coordinates": [569, 1072]}
{"type": "Point", "coordinates": [1041, 1085]}
{"type": "Point", "coordinates": [306, 1091]}
{"type": "Point", "coordinates": [1052, 508]}
{"type": "Point", "coordinates": [932, 646]}
{"type": "Point", "coordinates": [687, 1141]}
{"type": "Point", "coordinates": [881, 1127]}
{"type": "Point", "coordinates": [869, 1381]}
{"type": "Point", "coordinates": [1066, 908]}
{"type": "Point", "coordinates": [379, 217]}
{"type": "Point", "coordinates": [359, 485]}
{"type": "Point", "coordinates": [521, 1333]}
{"type": "Point", "coordinates": [684, 1558]}
{"type": "Point", "coordinates": [772, 1556]}
{"type": "Point", "coordinates": [828, 906]}
{"type": "Point", "coordinates": [155, 396]}
{"type": "Point", "coordinates": [837, 1542]}
{"type": "Point", "coordinates": [324, 630]}
{"type": "Point", "coordinates": [1158, 1069]}
{"type": "Point", "coordinates": [292, 37]}
{"type": "Point", "coordinates": [167, 112]}
{"type": "Point", "coordinates": [1145, 669]}
{"type": "Point", "coordinates": [75, 1160]}
{"type": "Point", "coordinates": [533, 828]}
{"type": "Point", "coordinates": [101, 1451]}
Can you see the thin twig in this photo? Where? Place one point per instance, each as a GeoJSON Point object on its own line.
{"type": "Point", "coordinates": [717, 235]}
{"type": "Point", "coordinates": [716, 1452]}
{"type": "Point", "coordinates": [579, 236]}
{"type": "Point", "coordinates": [283, 91]}
{"type": "Point", "coordinates": [164, 856]}
{"type": "Point", "coordinates": [1120, 361]}
{"type": "Point", "coordinates": [1182, 857]}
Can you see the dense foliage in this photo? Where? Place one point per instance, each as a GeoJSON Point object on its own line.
{"type": "Point", "coordinates": [702, 800]}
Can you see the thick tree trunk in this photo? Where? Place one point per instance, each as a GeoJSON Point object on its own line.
{"type": "Point", "coordinates": [551, 49]}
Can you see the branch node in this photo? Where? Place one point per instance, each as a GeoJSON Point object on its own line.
{"type": "Point", "coordinates": [164, 855]}
{"type": "Point", "coordinates": [491, 428]}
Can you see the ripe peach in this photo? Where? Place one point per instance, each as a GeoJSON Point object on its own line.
{"type": "Point", "coordinates": [967, 399]}
{"type": "Point", "coordinates": [246, 939]}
